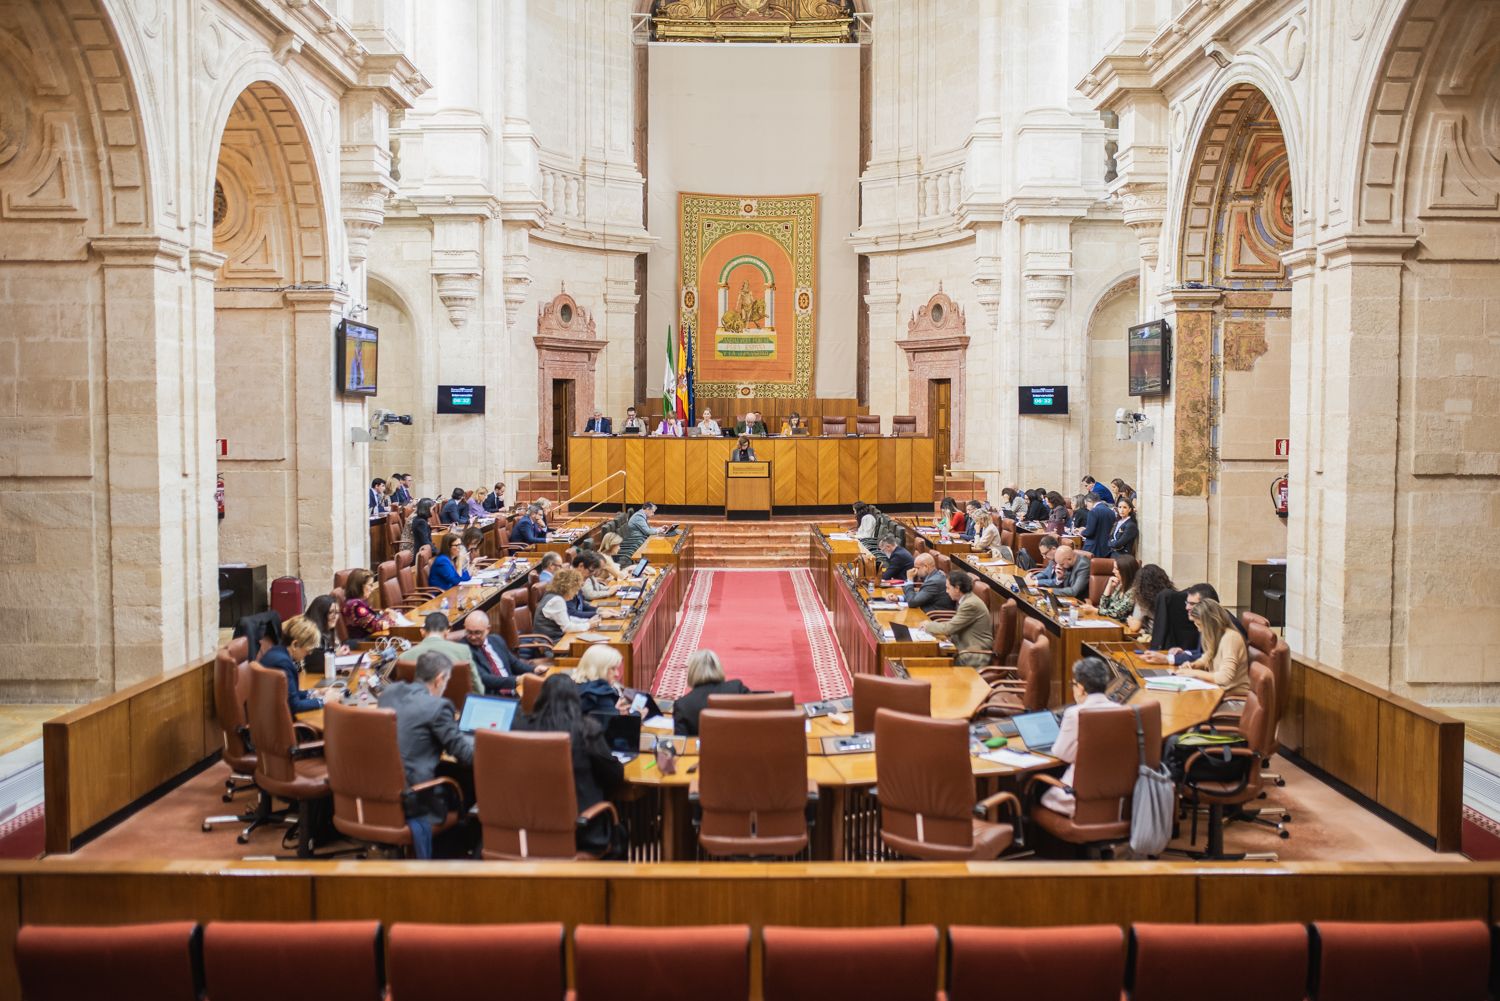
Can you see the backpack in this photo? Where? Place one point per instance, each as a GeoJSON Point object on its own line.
{"type": "Point", "coordinates": [1153, 803]}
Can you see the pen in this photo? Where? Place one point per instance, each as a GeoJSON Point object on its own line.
{"type": "Point", "coordinates": [649, 765]}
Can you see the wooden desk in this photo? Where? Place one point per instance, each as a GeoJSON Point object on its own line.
{"type": "Point", "coordinates": [462, 599]}
{"type": "Point", "coordinates": [827, 553]}
{"type": "Point", "coordinates": [861, 630]}
{"type": "Point", "coordinates": [1179, 710]}
{"type": "Point", "coordinates": [747, 488]}
{"type": "Point", "coordinates": [808, 472]}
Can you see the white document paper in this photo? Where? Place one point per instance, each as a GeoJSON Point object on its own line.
{"type": "Point", "coordinates": [400, 619]}
{"type": "Point", "coordinates": [1180, 684]}
{"type": "Point", "coordinates": [1096, 624]}
{"type": "Point", "coordinates": [881, 605]}
{"type": "Point", "coordinates": [348, 661]}
{"type": "Point", "coordinates": [1015, 759]}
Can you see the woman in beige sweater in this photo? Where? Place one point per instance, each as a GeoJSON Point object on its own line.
{"type": "Point", "coordinates": [1226, 659]}
{"type": "Point", "coordinates": [970, 629]}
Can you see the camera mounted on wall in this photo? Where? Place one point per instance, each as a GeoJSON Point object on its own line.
{"type": "Point", "coordinates": [380, 426]}
{"type": "Point", "coordinates": [1132, 425]}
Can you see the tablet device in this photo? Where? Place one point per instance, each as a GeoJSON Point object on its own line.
{"type": "Point", "coordinates": [901, 632]}
{"type": "Point", "coordinates": [639, 568]}
{"type": "Point", "coordinates": [487, 712]}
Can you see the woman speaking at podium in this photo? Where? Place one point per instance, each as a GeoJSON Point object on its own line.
{"type": "Point", "coordinates": [744, 452]}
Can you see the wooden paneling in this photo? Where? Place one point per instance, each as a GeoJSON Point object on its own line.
{"type": "Point", "coordinates": [885, 468]}
{"type": "Point", "coordinates": [10, 924]}
{"type": "Point", "coordinates": [718, 454]}
{"type": "Point", "coordinates": [102, 896]}
{"type": "Point", "coordinates": [580, 465]}
{"type": "Point", "coordinates": [87, 775]}
{"type": "Point", "coordinates": [599, 463]}
{"type": "Point", "coordinates": [901, 473]}
{"type": "Point", "coordinates": [869, 470]}
{"type": "Point", "coordinates": [807, 472]}
{"type": "Point", "coordinates": [828, 472]}
{"type": "Point", "coordinates": [635, 472]}
{"type": "Point", "coordinates": [849, 474]}
{"type": "Point", "coordinates": [758, 899]}
{"type": "Point", "coordinates": [921, 469]}
{"type": "Point", "coordinates": [696, 471]}
{"type": "Point", "coordinates": [615, 461]}
{"type": "Point", "coordinates": [1040, 895]}
{"type": "Point", "coordinates": [674, 473]}
{"type": "Point", "coordinates": [1420, 769]}
{"type": "Point", "coordinates": [465, 893]}
{"type": "Point", "coordinates": [166, 732]}
{"type": "Point", "coordinates": [656, 457]}
{"type": "Point", "coordinates": [1341, 730]}
{"type": "Point", "coordinates": [783, 454]}
{"type": "Point", "coordinates": [1411, 893]}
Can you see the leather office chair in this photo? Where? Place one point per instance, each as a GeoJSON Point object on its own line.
{"type": "Point", "coordinates": [899, 962]}
{"type": "Point", "coordinates": [1167, 958]}
{"type": "Point", "coordinates": [531, 690]}
{"type": "Point", "coordinates": [286, 766]}
{"type": "Point", "coordinates": [1008, 533]}
{"type": "Point", "coordinates": [926, 791]}
{"type": "Point", "coordinates": [534, 593]}
{"type": "Point", "coordinates": [367, 778]}
{"type": "Point", "coordinates": [1104, 773]}
{"type": "Point", "coordinates": [404, 559]}
{"type": "Point", "coordinates": [835, 426]}
{"type": "Point", "coordinates": [392, 599]}
{"type": "Point", "coordinates": [1402, 960]}
{"type": "Point", "coordinates": [457, 961]}
{"type": "Point", "coordinates": [752, 701]}
{"type": "Point", "coordinates": [231, 686]}
{"type": "Point", "coordinates": [1006, 627]}
{"type": "Point", "coordinates": [537, 819]}
{"type": "Point", "coordinates": [618, 963]}
{"type": "Point", "coordinates": [1257, 722]}
{"type": "Point", "coordinates": [903, 426]}
{"type": "Point", "coordinates": [287, 599]}
{"type": "Point", "coordinates": [752, 786]}
{"type": "Point", "coordinates": [406, 578]}
{"type": "Point", "coordinates": [423, 565]}
{"type": "Point", "coordinates": [460, 681]}
{"type": "Point", "coordinates": [867, 424]}
{"type": "Point", "coordinates": [386, 571]}
{"type": "Point", "coordinates": [516, 629]}
{"type": "Point", "coordinates": [1084, 962]}
{"type": "Point", "coordinates": [1100, 570]}
{"type": "Point", "coordinates": [943, 561]}
{"type": "Point", "coordinates": [1028, 686]}
{"type": "Point", "coordinates": [316, 959]}
{"type": "Point", "coordinates": [341, 578]}
{"type": "Point", "coordinates": [1248, 617]}
{"type": "Point", "coordinates": [124, 963]}
{"type": "Point", "coordinates": [873, 692]}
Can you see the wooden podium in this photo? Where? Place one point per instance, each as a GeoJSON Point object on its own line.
{"type": "Point", "coordinates": [747, 488]}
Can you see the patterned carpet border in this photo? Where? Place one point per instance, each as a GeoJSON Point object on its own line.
{"type": "Point", "coordinates": [828, 660]}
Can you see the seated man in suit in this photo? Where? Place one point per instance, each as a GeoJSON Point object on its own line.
{"type": "Point", "coordinates": [494, 501]}
{"type": "Point", "coordinates": [637, 530]}
{"type": "Point", "coordinates": [426, 728]}
{"type": "Point", "coordinates": [435, 640]}
{"type": "Point", "coordinates": [633, 424]}
{"type": "Point", "coordinates": [1073, 574]}
{"type": "Point", "coordinates": [402, 493]}
{"type": "Point", "coordinates": [744, 452]}
{"type": "Point", "coordinates": [379, 502]}
{"type": "Point", "coordinates": [1099, 526]}
{"type": "Point", "coordinates": [927, 586]}
{"type": "Point", "coordinates": [750, 424]}
{"type": "Point", "coordinates": [1047, 546]}
{"type": "Point", "coordinates": [598, 424]}
{"type": "Point", "coordinates": [550, 564]}
{"type": "Point", "coordinates": [1179, 626]}
{"type": "Point", "coordinates": [971, 511]}
{"type": "Point", "coordinates": [500, 670]}
{"type": "Point", "coordinates": [527, 529]}
{"type": "Point", "coordinates": [898, 561]}
{"type": "Point", "coordinates": [456, 508]}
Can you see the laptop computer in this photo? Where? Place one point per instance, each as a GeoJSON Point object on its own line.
{"type": "Point", "coordinates": [901, 632]}
{"type": "Point", "coordinates": [622, 732]}
{"type": "Point", "coordinates": [1007, 554]}
{"type": "Point", "coordinates": [1021, 586]}
{"type": "Point", "coordinates": [1038, 729]}
{"type": "Point", "coordinates": [487, 712]}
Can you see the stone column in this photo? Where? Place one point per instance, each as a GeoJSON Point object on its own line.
{"type": "Point", "coordinates": [199, 439]}
{"type": "Point", "coordinates": [1302, 611]}
{"type": "Point", "coordinates": [887, 368]}
{"type": "Point", "coordinates": [332, 530]}
{"type": "Point", "coordinates": [620, 301]}
{"type": "Point", "coordinates": [152, 521]}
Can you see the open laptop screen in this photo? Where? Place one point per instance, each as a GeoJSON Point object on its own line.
{"type": "Point", "coordinates": [1038, 729]}
{"type": "Point", "coordinates": [487, 712]}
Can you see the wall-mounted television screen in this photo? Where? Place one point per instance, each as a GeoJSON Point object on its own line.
{"type": "Point", "coordinates": [1150, 358]}
{"type": "Point", "coordinates": [359, 358]}
{"type": "Point", "coordinates": [460, 400]}
{"type": "Point", "coordinates": [1044, 400]}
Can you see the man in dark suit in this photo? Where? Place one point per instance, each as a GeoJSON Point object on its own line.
{"type": "Point", "coordinates": [1100, 523]}
{"type": "Point", "coordinates": [494, 501]}
{"type": "Point", "coordinates": [500, 670]}
{"type": "Point", "coordinates": [1072, 574]}
{"type": "Point", "coordinates": [426, 728]}
{"type": "Point", "coordinates": [898, 561]}
{"type": "Point", "coordinates": [750, 424]}
{"type": "Point", "coordinates": [1177, 641]}
{"type": "Point", "coordinates": [637, 530]}
{"type": "Point", "coordinates": [379, 502]}
{"type": "Point", "coordinates": [598, 424]}
{"type": "Point", "coordinates": [402, 494]}
{"type": "Point", "coordinates": [927, 586]}
{"type": "Point", "coordinates": [526, 530]}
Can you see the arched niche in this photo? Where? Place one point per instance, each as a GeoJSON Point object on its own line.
{"type": "Point", "coordinates": [567, 349]}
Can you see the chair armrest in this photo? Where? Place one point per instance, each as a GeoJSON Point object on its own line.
{"type": "Point", "coordinates": [1234, 752]}
{"type": "Point", "coordinates": [311, 749]}
{"type": "Point", "coordinates": [434, 783]}
{"type": "Point", "coordinates": [597, 810]}
{"type": "Point", "coordinates": [940, 614]}
{"type": "Point", "coordinates": [987, 805]}
{"type": "Point", "coordinates": [1042, 778]}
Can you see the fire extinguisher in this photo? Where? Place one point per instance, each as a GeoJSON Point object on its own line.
{"type": "Point", "coordinates": [1279, 496]}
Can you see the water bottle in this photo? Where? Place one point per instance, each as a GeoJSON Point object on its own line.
{"type": "Point", "coordinates": [444, 606]}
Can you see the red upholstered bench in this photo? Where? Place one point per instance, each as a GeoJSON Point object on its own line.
{"type": "Point", "coordinates": [1086, 963]}
{"type": "Point", "coordinates": [871, 964]}
{"type": "Point", "coordinates": [1373, 961]}
{"type": "Point", "coordinates": [153, 962]}
{"type": "Point", "coordinates": [452, 962]}
{"type": "Point", "coordinates": [1227, 962]}
{"type": "Point", "coordinates": [293, 960]}
{"type": "Point", "coordinates": [661, 964]}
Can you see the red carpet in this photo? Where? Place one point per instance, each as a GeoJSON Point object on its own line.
{"type": "Point", "coordinates": [769, 629]}
{"type": "Point", "coordinates": [1480, 836]}
{"type": "Point", "coordinates": [23, 836]}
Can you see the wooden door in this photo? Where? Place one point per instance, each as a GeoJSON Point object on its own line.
{"type": "Point", "coordinates": [562, 421]}
{"type": "Point", "coordinates": [940, 422]}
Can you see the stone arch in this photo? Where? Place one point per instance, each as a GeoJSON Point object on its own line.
{"type": "Point", "coordinates": [405, 385]}
{"type": "Point", "coordinates": [267, 204]}
{"type": "Point", "coordinates": [1113, 310]}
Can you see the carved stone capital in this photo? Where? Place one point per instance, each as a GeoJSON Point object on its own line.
{"type": "Point", "coordinates": [363, 209]}
{"type": "Point", "coordinates": [1045, 292]}
{"type": "Point", "coordinates": [458, 290]}
{"type": "Point", "coordinates": [1143, 206]}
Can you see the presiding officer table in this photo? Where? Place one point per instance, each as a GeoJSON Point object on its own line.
{"type": "Point", "coordinates": [806, 471]}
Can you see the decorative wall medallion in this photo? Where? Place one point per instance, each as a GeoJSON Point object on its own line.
{"type": "Point", "coordinates": [221, 204]}
{"type": "Point", "coordinates": [1294, 54]}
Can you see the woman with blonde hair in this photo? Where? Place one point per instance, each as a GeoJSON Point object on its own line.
{"type": "Point", "coordinates": [552, 617]}
{"type": "Point", "coordinates": [1226, 659]}
{"type": "Point", "coordinates": [705, 677]}
{"type": "Point", "coordinates": [598, 675]}
{"type": "Point", "coordinates": [299, 637]}
{"type": "Point", "coordinates": [986, 535]}
{"type": "Point", "coordinates": [609, 548]}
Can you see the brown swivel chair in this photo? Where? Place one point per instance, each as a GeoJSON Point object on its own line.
{"type": "Point", "coordinates": [1029, 687]}
{"type": "Point", "coordinates": [534, 593]}
{"type": "Point", "coordinates": [515, 628]}
{"type": "Point", "coordinates": [531, 690]}
{"type": "Point", "coordinates": [538, 818]}
{"type": "Point", "coordinates": [867, 424]}
{"type": "Point", "coordinates": [1248, 617]}
{"type": "Point", "coordinates": [926, 791]}
{"type": "Point", "coordinates": [404, 559]}
{"type": "Point", "coordinates": [873, 692]}
{"type": "Point", "coordinates": [391, 598]}
{"type": "Point", "coordinates": [285, 766]}
{"type": "Point", "coordinates": [1100, 570]}
{"type": "Point", "coordinates": [407, 578]}
{"type": "Point", "coordinates": [1104, 774]}
{"type": "Point", "coordinates": [835, 426]}
{"type": "Point", "coordinates": [1257, 722]}
{"type": "Point", "coordinates": [752, 701]}
{"type": "Point", "coordinates": [367, 779]}
{"type": "Point", "coordinates": [1006, 627]}
{"type": "Point", "coordinates": [460, 681]}
{"type": "Point", "coordinates": [943, 561]}
{"type": "Point", "coordinates": [1008, 533]}
{"type": "Point", "coordinates": [386, 571]}
{"type": "Point", "coordinates": [903, 426]}
{"type": "Point", "coordinates": [341, 579]}
{"type": "Point", "coordinates": [752, 791]}
{"type": "Point", "coordinates": [231, 687]}
{"type": "Point", "coordinates": [423, 565]}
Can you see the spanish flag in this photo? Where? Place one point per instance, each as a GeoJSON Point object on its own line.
{"type": "Point", "coordinates": [684, 379]}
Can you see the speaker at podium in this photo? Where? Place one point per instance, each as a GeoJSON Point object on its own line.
{"type": "Point", "coordinates": [747, 489]}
